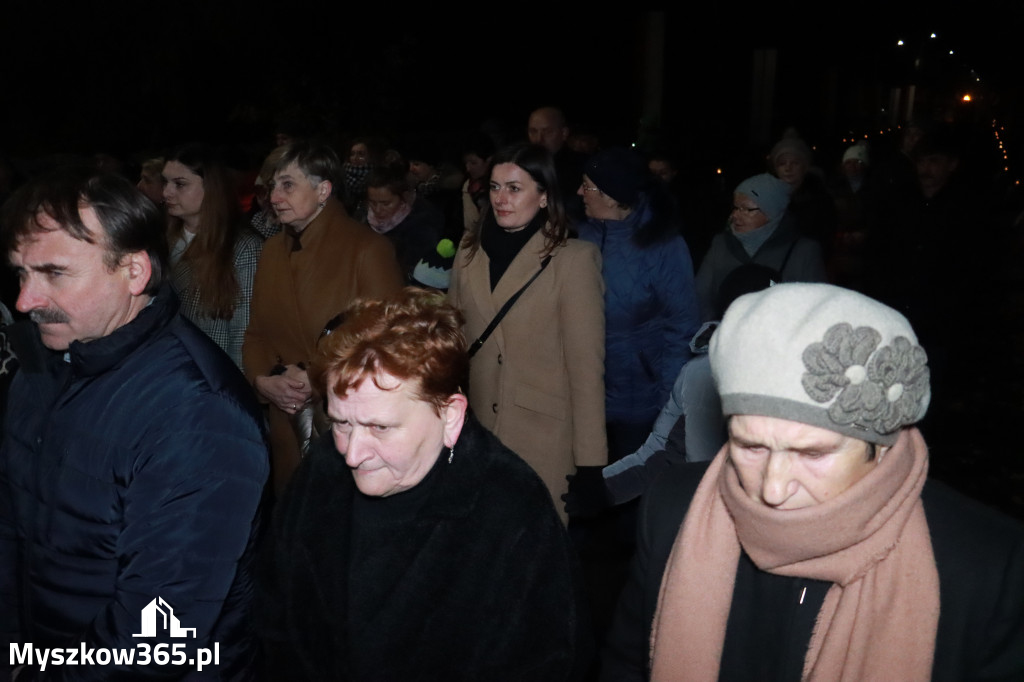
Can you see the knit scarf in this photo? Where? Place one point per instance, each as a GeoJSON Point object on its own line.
{"type": "Point", "coordinates": [355, 177]}
{"type": "Point", "coordinates": [879, 618]}
{"type": "Point", "coordinates": [502, 246]}
{"type": "Point", "coordinates": [391, 222]}
{"type": "Point", "coordinates": [753, 241]}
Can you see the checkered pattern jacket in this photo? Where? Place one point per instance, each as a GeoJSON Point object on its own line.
{"type": "Point", "coordinates": [228, 334]}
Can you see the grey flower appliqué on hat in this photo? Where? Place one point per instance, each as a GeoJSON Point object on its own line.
{"type": "Point", "coordinates": [877, 389]}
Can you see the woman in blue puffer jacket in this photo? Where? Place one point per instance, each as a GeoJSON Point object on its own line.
{"type": "Point", "coordinates": [650, 307]}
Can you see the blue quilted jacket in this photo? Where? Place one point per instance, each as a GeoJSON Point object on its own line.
{"type": "Point", "coordinates": [651, 313]}
{"type": "Point", "coordinates": [131, 470]}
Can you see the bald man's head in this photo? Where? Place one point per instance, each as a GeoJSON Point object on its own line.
{"type": "Point", "coordinates": [547, 128]}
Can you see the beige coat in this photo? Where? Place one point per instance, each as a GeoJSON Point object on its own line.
{"type": "Point", "coordinates": [538, 381]}
{"type": "Point", "coordinates": [296, 292]}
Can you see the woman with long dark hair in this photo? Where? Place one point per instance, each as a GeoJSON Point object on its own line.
{"type": "Point", "coordinates": [213, 257]}
{"type": "Point", "coordinates": [536, 380]}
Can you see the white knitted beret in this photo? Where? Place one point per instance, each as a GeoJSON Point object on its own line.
{"type": "Point", "coordinates": [824, 356]}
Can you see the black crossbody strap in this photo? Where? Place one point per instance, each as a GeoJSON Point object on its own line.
{"type": "Point", "coordinates": [786, 259]}
{"type": "Point", "coordinates": [505, 308]}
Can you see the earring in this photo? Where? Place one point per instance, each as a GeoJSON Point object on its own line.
{"type": "Point", "coordinates": [451, 454]}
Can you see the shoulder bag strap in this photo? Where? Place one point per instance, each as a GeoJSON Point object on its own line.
{"type": "Point", "coordinates": [786, 259]}
{"type": "Point", "coordinates": [505, 308]}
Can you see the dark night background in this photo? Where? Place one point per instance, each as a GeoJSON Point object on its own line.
{"type": "Point", "coordinates": [133, 79]}
{"type": "Point", "coordinates": [131, 76]}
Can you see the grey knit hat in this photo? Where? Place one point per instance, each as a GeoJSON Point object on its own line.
{"type": "Point", "coordinates": [824, 356]}
{"type": "Point", "coordinates": [769, 193]}
{"type": "Point", "coordinates": [791, 143]}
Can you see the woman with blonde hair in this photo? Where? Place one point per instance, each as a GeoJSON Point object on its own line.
{"type": "Point", "coordinates": [262, 218]}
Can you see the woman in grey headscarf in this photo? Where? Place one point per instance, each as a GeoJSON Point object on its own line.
{"type": "Point", "coordinates": [760, 239]}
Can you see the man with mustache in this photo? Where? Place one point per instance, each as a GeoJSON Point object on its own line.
{"type": "Point", "coordinates": [133, 459]}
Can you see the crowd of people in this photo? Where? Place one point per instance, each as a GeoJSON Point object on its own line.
{"type": "Point", "coordinates": [370, 417]}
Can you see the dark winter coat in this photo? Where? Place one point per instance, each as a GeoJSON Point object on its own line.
{"type": "Point", "coordinates": [129, 472]}
{"type": "Point", "coordinates": [797, 258]}
{"type": "Point", "coordinates": [814, 212]}
{"type": "Point", "coordinates": [478, 585]}
{"type": "Point", "coordinates": [650, 315]}
{"type": "Point", "coordinates": [416, 236]}
{"type": "Point", "coordinates": [924, 260]}
{"type": "Point", "coordinates": [980, 558]}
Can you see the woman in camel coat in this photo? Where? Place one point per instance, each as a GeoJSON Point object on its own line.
{"type": "Point", "coordinates": [538, 381]}
{"type": "Point", "coordinates": [307, 274]}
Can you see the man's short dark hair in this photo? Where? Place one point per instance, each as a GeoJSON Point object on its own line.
{"type": "Point", "coordinates": [131, 222]}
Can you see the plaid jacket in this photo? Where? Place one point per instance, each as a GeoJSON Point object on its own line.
{"type": "Point", "coordinates": [228, 334]}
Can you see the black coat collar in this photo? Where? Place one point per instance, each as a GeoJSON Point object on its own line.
{"type": "Point", "coordinates": [100, 355]}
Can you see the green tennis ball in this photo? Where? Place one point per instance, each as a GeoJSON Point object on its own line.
{"type": "Point", "coordinates": [446, 248]}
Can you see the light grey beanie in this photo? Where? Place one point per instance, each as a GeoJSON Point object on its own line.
{"type": "Point", "coordinates": [769, 193]}
{"type": "Point", "coordinates": [791, 143]}
{"type": "Point", "coordinates": [824, 356]}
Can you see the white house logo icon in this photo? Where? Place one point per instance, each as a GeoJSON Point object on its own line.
{"type": "Point", "coordinates": [159, 614]}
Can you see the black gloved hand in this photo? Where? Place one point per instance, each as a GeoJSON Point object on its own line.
{"type": "Point", "coordinates": [587, 495]}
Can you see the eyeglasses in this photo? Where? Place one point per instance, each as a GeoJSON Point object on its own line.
{"type": "Point", "coordinates": [329, 328]}
{"type": "Point", "coordinates": [589, 188]}
{"type": "Point", "coordinates": [745, 209]}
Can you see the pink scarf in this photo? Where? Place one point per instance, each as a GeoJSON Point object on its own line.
{"type": "Point", "coordinates": [384, 226]}
{"type": "Point", "coordinates": [879, 618]}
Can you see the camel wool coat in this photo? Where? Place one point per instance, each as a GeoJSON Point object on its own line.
{"type": "Point", "coordinates": [296, 292]}
{"type": "Point", "coordinates": [538, 381]}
